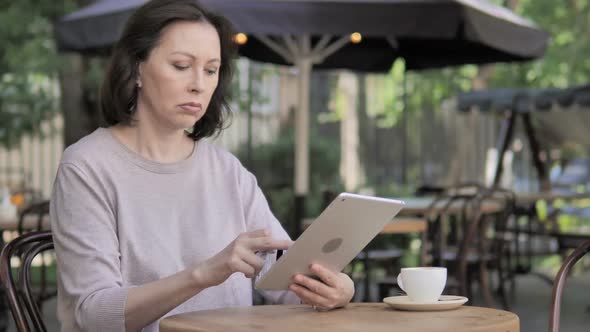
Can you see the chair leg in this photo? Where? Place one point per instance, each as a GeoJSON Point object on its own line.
{"type": "Point", "coordinates": [383, 290]}
{"type": "Point", "coordinates": [43, 282]}
{"type": "Point", "coordinates": [467, 291]}
{"type": "Point", "coordinates": [4, 312]}
{"type": "Point", "coordinates": [502, 276]}
{"type": "Point", "coordinates": [485, 284]}
{"type": "Point", "coordinates": [367, 281]}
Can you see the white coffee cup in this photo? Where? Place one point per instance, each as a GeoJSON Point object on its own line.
{"type": "Point", "coordinates": [423, 284]}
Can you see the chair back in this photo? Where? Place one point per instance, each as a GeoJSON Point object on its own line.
{"type": "Point", "coordinates": [473, 233]}
{"type": "Point", "coordinates": [559, 284]}
{"type": "Point", "coordinates": [38, 209]}
{"type": "Point", "coordinates": [23, 306]}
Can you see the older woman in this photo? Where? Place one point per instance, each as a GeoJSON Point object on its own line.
{"type": "Point", "coordinates": [148, 218]}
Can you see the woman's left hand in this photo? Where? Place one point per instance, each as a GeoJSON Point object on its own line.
{"type": "Point", "coordinates": [333, 290]}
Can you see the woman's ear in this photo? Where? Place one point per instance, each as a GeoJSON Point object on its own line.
{"type": "Point", "coordinates": [138, 79]}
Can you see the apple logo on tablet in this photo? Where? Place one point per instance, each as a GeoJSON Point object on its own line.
{"type": "Point", "coordinates": [332, 245]}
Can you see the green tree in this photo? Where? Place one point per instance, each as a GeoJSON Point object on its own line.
{"type": "Point", "coordinates": [29, 63]}
{"type": "Point", "coordinates": [566, 63]}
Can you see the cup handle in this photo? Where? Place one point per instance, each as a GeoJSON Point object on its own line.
{"type": "Point", "coordinates": [399, 282]}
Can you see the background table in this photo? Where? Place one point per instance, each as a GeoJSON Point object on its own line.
{"type": "Point", "coordinates": [421, 205]}
{"type": "Point", "coordinates": [30, 222]}
{"type": "Point", "coordinates": [399, 225]}
{"type": "Point", "coordinates": [374, 317]}
{"type": "Point", "coordinates": [525, 198]}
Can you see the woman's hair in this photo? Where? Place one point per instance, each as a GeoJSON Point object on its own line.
{"type": "Point", "coordinates": [141, 34]}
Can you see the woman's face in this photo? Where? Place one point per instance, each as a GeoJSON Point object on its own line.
{"type": "Point", "coordinates": [179, 76]}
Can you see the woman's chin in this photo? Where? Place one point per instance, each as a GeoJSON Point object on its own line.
{"type": "Point", "coordinates": [186, 123]}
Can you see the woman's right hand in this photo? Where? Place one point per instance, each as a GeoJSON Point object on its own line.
{"type": "Point", "coordinates": [238, 256]}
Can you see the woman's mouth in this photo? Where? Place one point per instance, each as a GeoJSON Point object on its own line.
{"type": "Point", "coordinates": [192, 108]}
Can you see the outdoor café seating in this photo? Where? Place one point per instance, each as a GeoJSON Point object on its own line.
{"type": "Point", "coordinates": [560, 281]}
{"type": "Point", "coordinates": [23, 303]}
{"type": "Point", "coordinates": [469, 242]}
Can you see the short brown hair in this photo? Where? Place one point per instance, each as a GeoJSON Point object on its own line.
{"type": "Point", "coordinates": [141, 34]}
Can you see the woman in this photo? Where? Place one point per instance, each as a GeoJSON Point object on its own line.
{"type": "Point", "coordinates": [150, 220]}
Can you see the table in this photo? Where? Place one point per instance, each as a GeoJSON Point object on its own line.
{"type": "Point", "coordinates": [528, 198]}
{"type": "Point", "coordinates": [399, 225]}
{"type": "Point", "coordinates": [30, 222]}
{"type": "Point", "coordinates": [526, 207]}
{"type": "Point", "coordinates": [420, 206]}
{"type": "Point", "coordinates": [405, 225]}
{"type": "Point", "coordinates": [374, 317]}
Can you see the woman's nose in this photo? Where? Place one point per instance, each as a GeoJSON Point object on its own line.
{"type": "Point", "coordinates": [197, 83]}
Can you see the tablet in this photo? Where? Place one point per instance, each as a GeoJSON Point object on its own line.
{"type": "Point", "coordinates": [343, 229]}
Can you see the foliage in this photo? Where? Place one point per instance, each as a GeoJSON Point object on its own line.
{"type": "Point", "coordinates": [273, 165]}
{"type": "Point", "coordinates": [565, 63]}
{"type": "Point", "coordinates": [28, 66]}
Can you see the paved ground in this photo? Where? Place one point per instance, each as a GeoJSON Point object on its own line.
{"type": "Point", "coordinates": [532, 303]}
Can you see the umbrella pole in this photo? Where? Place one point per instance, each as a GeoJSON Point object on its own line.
{"type": "Point", "coordinates": [299, 52]}
{"type": "Point", "coordinates": [304, 64]}
{"type": "Point", "coordinates": [404, 172]}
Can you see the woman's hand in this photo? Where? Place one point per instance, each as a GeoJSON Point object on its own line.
{"type": "Point", "coordinates": [333, 290]}
{"type": "Point", "coordinates": [238, 256]}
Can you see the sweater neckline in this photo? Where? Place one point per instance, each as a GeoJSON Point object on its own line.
{"type": "Point", "coordinates": [147, 164]}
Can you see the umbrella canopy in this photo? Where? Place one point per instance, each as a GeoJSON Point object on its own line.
{"type": "Point", "coordinates": [317, 33]}
{"type": "Point", "coordinates": [426, 33]}
{"type": "Point", "coordinates": [561, 115]}
{"type": "Point", "coordinates": [525, 100]}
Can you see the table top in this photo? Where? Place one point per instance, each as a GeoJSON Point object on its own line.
{"type": "Point", "coordinates": [405, 225]}
{"type": "Point", "coordinates": [374, 317]}
{"type": "Point", "coordinates": [420, 205]}
{"type": "Point", "coordinates": [399, 225]}
{"type": "Point", "coordinates": [524, 198]}
{"type": "Point", "coordinates": [30, 222]}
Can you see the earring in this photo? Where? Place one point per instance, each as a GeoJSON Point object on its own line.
{"type": "Point", "coordinates": [138, 83]}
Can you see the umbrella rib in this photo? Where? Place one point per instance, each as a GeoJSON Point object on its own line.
{"type": "Point", "coordinates": [291, 45]}
{"type": "Point", "coordinates": [278, 48]}
{"type": "Point", "coordinates": [331, 49]}
{"type": "Point", "coordinates": [393, 42]}
{"type": "Point", "coordinates": [321, 44]}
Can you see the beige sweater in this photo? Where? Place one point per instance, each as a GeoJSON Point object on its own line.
{"type": "Point", "coordinates": [120, 220]}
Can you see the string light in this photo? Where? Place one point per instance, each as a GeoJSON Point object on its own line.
{"type": "Point", "coordinates": [356, 37]}
{"type": "Point", "coordinates": [240, 38]}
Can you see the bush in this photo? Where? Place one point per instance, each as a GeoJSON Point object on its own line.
{"type": "Point", "coordinates": [274, 167]}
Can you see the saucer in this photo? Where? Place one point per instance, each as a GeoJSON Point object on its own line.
{"type": "Point", "coordinates": [446, 302]}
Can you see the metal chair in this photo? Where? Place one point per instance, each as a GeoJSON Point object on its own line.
{"type": "Point", "coordinates": [22, 303]}
{"type": "Point", "coordinates": [40, 209]}
{"type": "Point", "coordinates": [559, 284]}
{"type": "Point", "coordinates": [472, 241]}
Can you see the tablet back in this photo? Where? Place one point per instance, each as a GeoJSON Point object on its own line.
{"type": "Point", "coordinates": [343, 229]}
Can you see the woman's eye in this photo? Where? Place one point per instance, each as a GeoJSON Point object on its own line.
{"type": "Point", "coordinates": [179, 67]}
{"type": "Point", "coordinates": [211, 71]}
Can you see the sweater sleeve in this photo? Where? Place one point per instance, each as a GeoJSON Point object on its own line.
{"type": "Point", "coordinates": [87, 248]}
{"type": "Point", "coordinates": [258, 215]}
{"type": "Point", "coordinates": [256, 209]}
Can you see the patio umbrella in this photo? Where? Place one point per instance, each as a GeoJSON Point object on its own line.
{"type": "Point", "coordinates": [560, 115]}
{"type": "Point", "coordinates": [362, 35]}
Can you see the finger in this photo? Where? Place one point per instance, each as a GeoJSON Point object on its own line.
{"type": "Point", "coordinates": [328, 277]}
{"type": "Point", "coordinates": [268, 244]}
{"type": "Point", "coordinates": [251, 259]}
{"type": "Point", "coordinates": [311, 298]}
{"type": "Point", "coordinates": [239, 265]}
{"type": "Point", "coordinates": [257, 233]}
{"type": "Point", "coordinates": [315, 286]}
